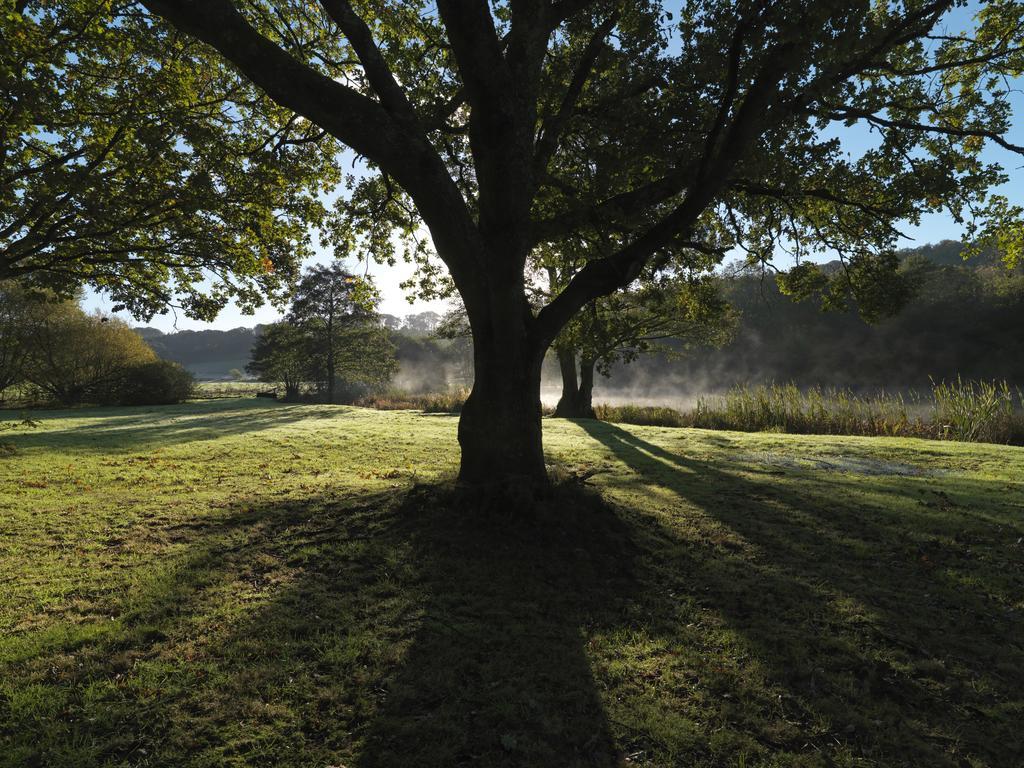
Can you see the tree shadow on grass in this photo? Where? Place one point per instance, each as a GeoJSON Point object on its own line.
{"type": "Point", "coordinates": [140, 428]}
{"type": "Point", "coordinates": [496, 673]}
{"type": "Point", "coordinates": [897, 634]}
{"type": "Point", "coordinates": [416, 629]}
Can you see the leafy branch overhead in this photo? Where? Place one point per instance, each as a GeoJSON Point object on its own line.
{"type": "Point", "coordinates": [137, 159]}
{"type": "Point", "coordinates": [474, 122]}
{"type": "Point", "coordinates": [134, 159]}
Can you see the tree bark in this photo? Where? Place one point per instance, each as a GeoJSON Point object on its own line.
{"type": "Point", "coordinates": [331, 365]}
{"type": "Point", "coordinates": [500, 425]}
{"type": "Point", "coordinates": [576, 401]}
{"type": "Point", "coordinates": [566, 407]}
{"type": "Point", "coordinates": [585, 400]}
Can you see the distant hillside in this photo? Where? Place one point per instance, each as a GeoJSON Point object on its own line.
{"type": "Point", "coordinates": [945, 253]}
{"type": "Point", "coordinates": [949, 253]}
{"type": "Point", "coordinates": [210, 355]}
{"type": "Point", "coordinates": [964, 319]}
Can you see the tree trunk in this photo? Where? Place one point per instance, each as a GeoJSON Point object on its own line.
{"type": "Point", "coordinates": [330, 365]}
{"type": "Point", "coordinates": [566, 407]}
{"type": "Point", "coordinates": [500, 425]}
{"type": "Point", "coordinates": [585, 400]}
{"type": "Point", "coordinates": [577, 394]}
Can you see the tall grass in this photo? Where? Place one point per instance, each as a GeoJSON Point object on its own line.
{"type": "Point", "coordinates": [212, 390]}
{"type": "Point", "coordinates": [979, 411]}
{"type": "Point", "coordinates": [787, 408]}
{"type": "Point", "coordinates": [435, 402]}
{"type": "Point", "coordinates": [967, 411]}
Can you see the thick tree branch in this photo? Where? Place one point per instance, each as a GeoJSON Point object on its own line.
{"type": "Point", "coordinates": [501, 126]}
{"type": "Point", "coordinates": [357, 120]}
{"type": "Point", "coordinates": [478, 52]}
{"type": "Point", "coordinates": [552, 128]}
{"type": "Point", "coordinates": [728, 99]}
{"type": "Point", "coordinates": [617, 206]}
{"type": "Point", "coordinates": [377, 71]}
{"type": "Point", "coordinates": [605, 275]}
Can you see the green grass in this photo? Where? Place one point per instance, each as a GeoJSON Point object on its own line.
{"type": "Point", "coordinates": [247, 583]}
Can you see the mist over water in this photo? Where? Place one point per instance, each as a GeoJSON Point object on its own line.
{"type": "Point", "coordinates": [664, 395]}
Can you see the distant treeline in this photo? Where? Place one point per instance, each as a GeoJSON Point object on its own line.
{"type": "Point", "coordinates": [425, 364]}
{"type": "Point", "coordinates": [965, 319]}
{"type": "Point", "coordinates": [207, 354]}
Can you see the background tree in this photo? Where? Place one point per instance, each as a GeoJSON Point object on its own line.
{"type": "Point", "coordinates": [75, 358]}
{"type": "Point", "coordinates": [282, 353]}
{"type": "Point", "coordinates": [15, 304]}
{"type": "Point", "coordinates": [677, 300]}
{"type": "Point", "coordinates": [421, 323]}
{"type": "Point", "coordinates": [469, 119]}
{"type": "Point", "coordinates": [621, 327]}
{"type": "Point", "coordinates": [134, 160]}
{"type": "Point", "coordinates": [347, 342]}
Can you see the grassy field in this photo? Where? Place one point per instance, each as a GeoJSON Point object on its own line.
{"type": "Point", "coordinates": [248, 583]}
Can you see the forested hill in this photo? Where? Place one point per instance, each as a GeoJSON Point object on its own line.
{"type": "Point", "coordinates": [208, 354]}
{"type": "Point", "coordinates": [965, 318]}
{"type": "Point", "coordinates": [212, 354]}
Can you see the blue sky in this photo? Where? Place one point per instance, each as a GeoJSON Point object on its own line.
{"type": "Point", "coordinates": [933, 228]}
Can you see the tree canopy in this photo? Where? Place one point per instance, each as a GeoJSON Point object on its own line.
{"type": "Point", "coordinates": [331, 336]}
{"type": "Point", "coordinates": [133, 159]}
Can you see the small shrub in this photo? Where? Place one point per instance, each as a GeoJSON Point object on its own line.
{"type": "Point", "coordinates": [157, 383]}
{"type": "Point", "coordinates": [446, 402]}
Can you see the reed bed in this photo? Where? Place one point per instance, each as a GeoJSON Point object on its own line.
{"type": "Point", "coordinates": [215, 390]}
{"type": "Point", "coordinates": [434, 402]}
{"type": "Point", "coordinates": [971, 411]}
{"type": "Point", "coordinates": [968, 411]}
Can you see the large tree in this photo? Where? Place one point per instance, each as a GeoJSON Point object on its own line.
{"type": "Point", "coordinates": [346, 342]}
{"type": "Point", "coordinates": [506, 125]}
